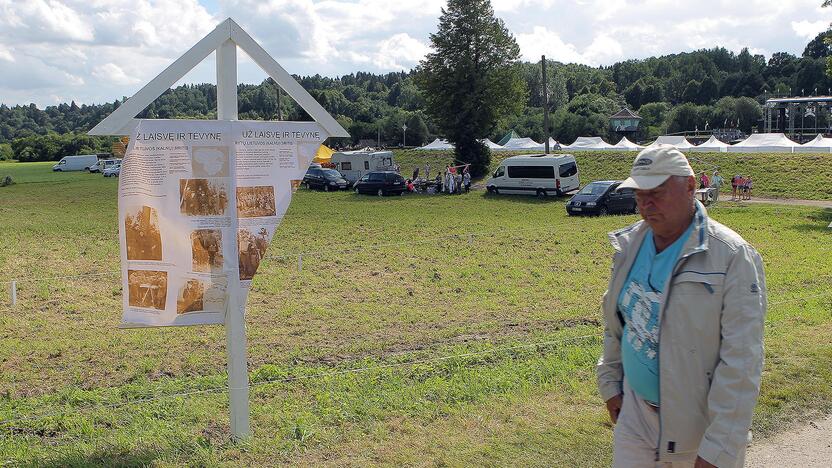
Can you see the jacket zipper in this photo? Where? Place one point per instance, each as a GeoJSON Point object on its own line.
{"type": "Point", "coordinates": [668, 284]}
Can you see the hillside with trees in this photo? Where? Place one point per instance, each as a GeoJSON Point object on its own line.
{"type": "Point", "coordinates": [672, 93]}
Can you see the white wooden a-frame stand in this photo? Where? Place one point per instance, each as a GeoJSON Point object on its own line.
{"type": "Point", "coordinates": [224, 39]}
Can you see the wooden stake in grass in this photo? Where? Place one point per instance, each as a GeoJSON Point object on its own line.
{"type": "Point", "coordinates": [13, 292]}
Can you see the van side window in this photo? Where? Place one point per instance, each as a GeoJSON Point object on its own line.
{"type": "Point", "coordinates": [531, 172]}
{"type": "Point", "coordinates": [366, 165]}
{"type": "Point", "coordinates": [377, 176]}
{"type": "Point", "coordinates": [568, 169]}
{"type": "Point", "coordinates": [501, 171]}
{"type": "Point", "coordinates": [346, 166]}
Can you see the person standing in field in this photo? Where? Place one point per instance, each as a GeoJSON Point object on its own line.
{"type": "Point", "coordinates": [466, 180]}
{"type": "Point", "coordinates": [683, 339]}
{"type": "Point", "coordinates": [716, 182]}
{"type": "Point", "coordinates": [703, 181]}
{"type": "Point", "coordinates": [735, 181]}
{"type": "Point", "coordinates": [748, 186]}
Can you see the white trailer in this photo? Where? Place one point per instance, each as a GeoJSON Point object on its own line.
{"type": "Point", "coordinates": [75, 163]}
{"type": "Point", "coordinates": [354, 164]}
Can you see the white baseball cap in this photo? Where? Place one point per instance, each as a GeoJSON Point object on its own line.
{"type": "Point", "coordinates": [656, 164]}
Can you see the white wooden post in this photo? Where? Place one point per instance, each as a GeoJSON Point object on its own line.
{"type": "Point", "coordinates": [235, 326]}
{"type": "Point", "coordinates": [300, 262]}
{"type": "Point", "coordinates": [13, 292]}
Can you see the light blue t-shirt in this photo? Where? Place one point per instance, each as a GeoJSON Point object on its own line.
{"type": "Point", "coordinates": [639, 303]}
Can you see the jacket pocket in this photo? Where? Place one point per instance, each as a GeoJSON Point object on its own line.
{"type": "Point", "coordinates": [708, 285]}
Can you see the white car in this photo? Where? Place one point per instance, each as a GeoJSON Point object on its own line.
{"type": "Point", "coordinates": [103, 164]}
{"type": "Point", "coordinates": [113, 171]}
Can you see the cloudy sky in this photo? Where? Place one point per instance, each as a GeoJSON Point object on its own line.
{"type": "Point", "coordinates": [93, 51]}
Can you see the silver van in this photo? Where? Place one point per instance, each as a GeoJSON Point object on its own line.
{"type": "Point", "coordinates": [539, 174]}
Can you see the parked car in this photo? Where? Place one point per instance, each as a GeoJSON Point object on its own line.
{"type": "Point", "coordinates": [380, 183]}
{"type": "Point", "coordinates": [540, 174]}
{"type": "Point", "coordinates": [113, 171]}
{"type": "Point", "coordinates": [324, 179]}
{"type": "Point", "coordinates": [75, 163]}
{"type": "Point", "coordinates": [602, 197]}
{"type": "Point", "coordinates": [102, 164]}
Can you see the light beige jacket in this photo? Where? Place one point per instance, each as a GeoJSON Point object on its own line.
{"type": "Point", "coordinates": [710, 341]}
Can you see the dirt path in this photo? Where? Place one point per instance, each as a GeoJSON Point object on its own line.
{"type": "Point", "coordinates": [789, 201]}
{"type": "Point", "coordinates": [808, 446]}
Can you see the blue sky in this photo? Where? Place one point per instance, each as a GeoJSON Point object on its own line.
{"type": "Point", "coordinates": [93, 51]}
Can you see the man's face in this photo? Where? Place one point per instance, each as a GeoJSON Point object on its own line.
{"type": "Point", "coordinates": [666, 208]}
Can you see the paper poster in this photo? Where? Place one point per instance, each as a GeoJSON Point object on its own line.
{"type": "Point", "coordinates": [198, 203]}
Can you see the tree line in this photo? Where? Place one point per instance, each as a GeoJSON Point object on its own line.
{"type": "Point", "coordinates": [714, 87]}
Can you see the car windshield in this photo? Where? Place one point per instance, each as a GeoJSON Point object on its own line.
{"type": "Point", "coordinates": [595, 188]}
{"type": "Point", "coordinates": [332, 174]}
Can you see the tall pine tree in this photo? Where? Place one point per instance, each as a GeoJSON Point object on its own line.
{"type": "Point", "coordinates": [472, 78]}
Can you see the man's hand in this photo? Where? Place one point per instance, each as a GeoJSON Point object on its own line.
{"type": "Point", "coordinates": [701, 463]}
{"type": "Point", "coordinates": [614, 406]}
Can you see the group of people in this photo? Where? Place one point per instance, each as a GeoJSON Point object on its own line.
{"type": "Point", "coordinates": [454, 182]}
{"type": "Point", "coordinates": [741, 187]}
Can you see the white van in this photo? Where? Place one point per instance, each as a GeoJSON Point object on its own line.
{"type": "Point", "coordinates": [354, 164]}
{"type": "Point", "coordinates": [103, 164]}
{"type": "Point", "coordinates": [75, 163]}
{"type": "Point", "coordinates": [539, 174]}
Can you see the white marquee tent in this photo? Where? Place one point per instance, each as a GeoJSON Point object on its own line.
{"type": "Point", "coordinates": [626, 145]}
{"type": "Point", "coordinates": [437, 144]}
{"type": "Point", "coordinates": [713, 145]}
{"type": "Point", "coordinates": [764, 143]}
{"type": "Point", "coordinates": [588, 143]}
{"type": "Point", "coordinates": [521, 144]}
{"type": "Point", "coordinates": [820, 144]}
{"type": "Point", "coordinates": [678, 141]}
{"type": "Point", "coordinates": [490, 144]}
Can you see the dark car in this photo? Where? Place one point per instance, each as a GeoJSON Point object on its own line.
{"type": "Point", "coordinates": [601, 198]}
{"type": "Point", "coordinates": [324, 179]}
{"type": "Point", "coordinates": [380, 183]}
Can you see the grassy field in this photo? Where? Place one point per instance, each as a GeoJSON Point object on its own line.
{"type": "Point", "coordinates": [421, 330]}
{"type": "Point", "coordinates": [799, 175]}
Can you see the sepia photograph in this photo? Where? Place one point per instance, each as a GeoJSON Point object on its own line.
{"type": "Point", "coordinates": [147, 288]}
{"type": "Point", "coordinates": [202, 197]}
{"type": "Point", "coordinates": [252, 250]}
{"type": "Point", "coordinates": [253, 202]}
{"type": "Point", "coordinates": [141, 228]}
{"type": "Point", "coordinates": [209, 161]}
{"type": "Point", "coordinates": [191, 297]}
{"type": "Point", "coordinates": [206, 247]}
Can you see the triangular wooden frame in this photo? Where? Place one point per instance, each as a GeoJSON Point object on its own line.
{"type": "Point", "coordinates": [122, 121]}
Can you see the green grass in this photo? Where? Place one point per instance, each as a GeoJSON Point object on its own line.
{"type": "Point", "coordinates": [343, 353]}
{"type": "Point", "coordinates": [799, 175]}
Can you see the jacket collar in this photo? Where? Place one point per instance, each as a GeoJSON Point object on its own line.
{"type": "Point", "coordinates": [634, 234]}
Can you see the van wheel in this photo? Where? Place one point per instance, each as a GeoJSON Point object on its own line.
{"type": "Point", "coordinates": [541, 194]}
{"type": "Point", "coordinates": [380, 192]}
{"type": "Point", "coordinates": [357, 192]}
{"type": "Point", "coordinates": [326, 188]}
{"type": "Point", "coordinates": [603, 211]}
{"type": "Point", "coordinates": [635, 208]}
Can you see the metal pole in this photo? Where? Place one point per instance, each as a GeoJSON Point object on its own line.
{"type": "Point", "coordinates": [13, 292]}
{"type": "Point", "coordinates": [545, 106]}
{"type": "Point", "coordinates": [235, 327]}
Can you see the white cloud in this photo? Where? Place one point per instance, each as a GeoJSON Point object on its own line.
{"type": "Point", "coordinates": [809, 29]}
{"type": "Point", "coordinates": [400, 51]}
{"type": "Point", "coordinates": [100, 50]}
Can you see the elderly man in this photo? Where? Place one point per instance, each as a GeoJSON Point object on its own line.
{"type": "Point", "coordinates": [683, 338]}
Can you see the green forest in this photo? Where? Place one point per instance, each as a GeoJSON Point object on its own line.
{"type": "Point", "coordinates": [672, 93]}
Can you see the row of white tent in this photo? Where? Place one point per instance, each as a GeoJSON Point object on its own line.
{"type": "Point", "coordinates": [756, 143]}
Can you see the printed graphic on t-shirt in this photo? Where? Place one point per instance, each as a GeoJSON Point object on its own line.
{"type": "Point", "coordinates": [641, 309]}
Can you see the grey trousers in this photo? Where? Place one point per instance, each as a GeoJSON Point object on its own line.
{"type": "Point", "coordinates": [636, 435]}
